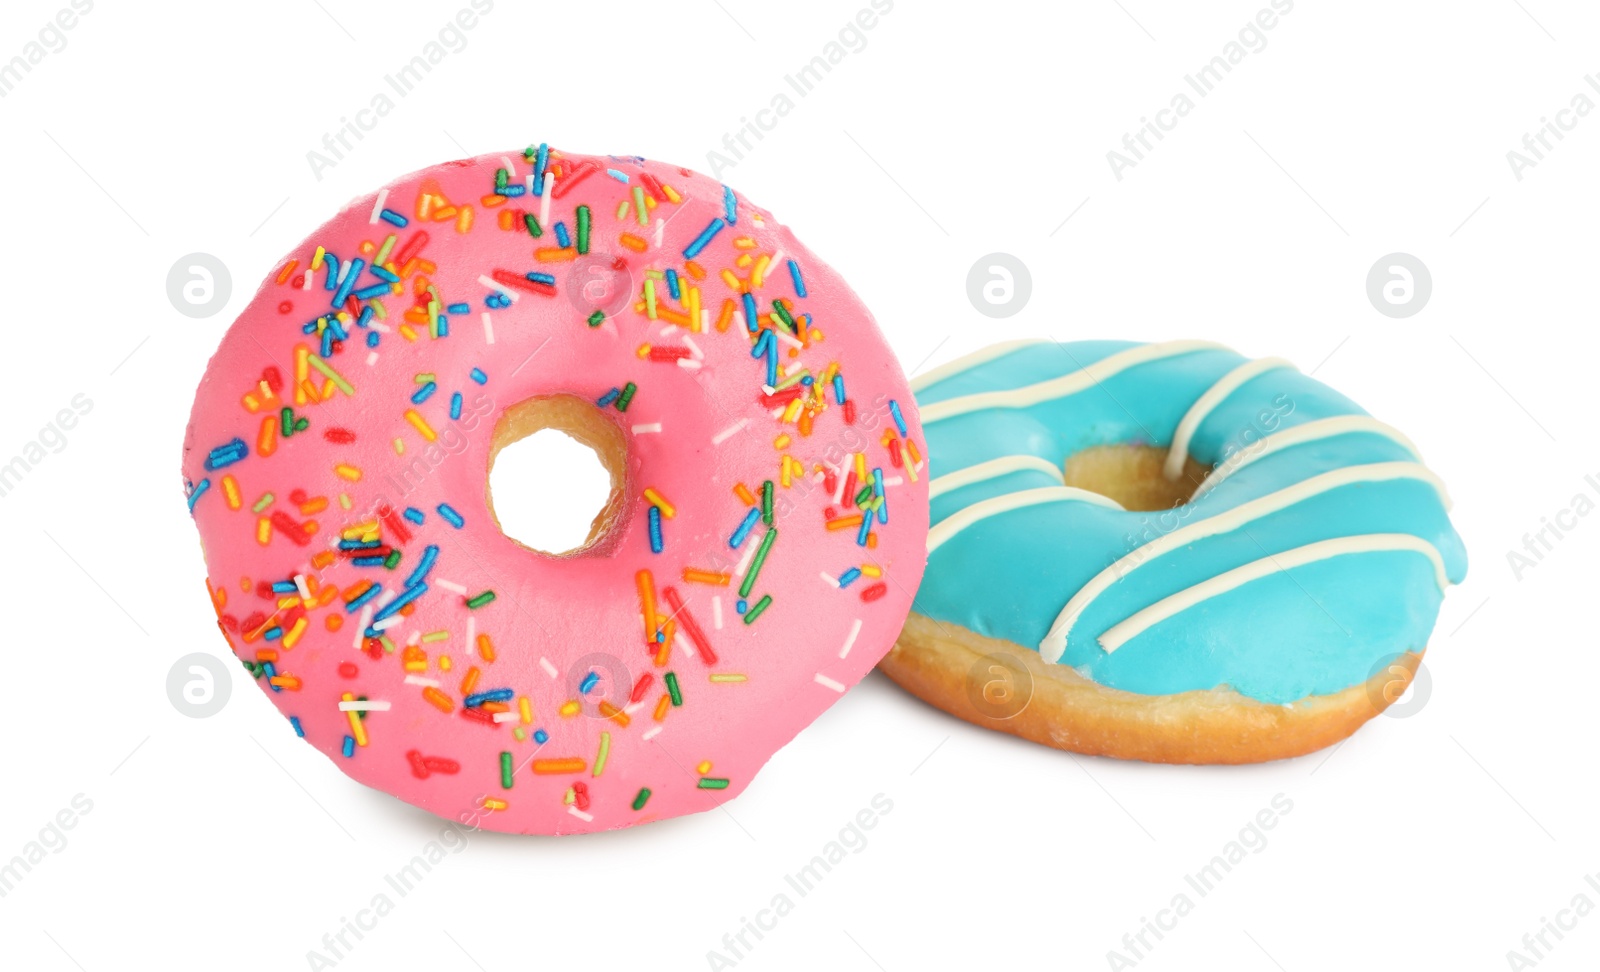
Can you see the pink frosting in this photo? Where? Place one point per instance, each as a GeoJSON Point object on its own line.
{"type": "Point", "coordinates": [560, 629]}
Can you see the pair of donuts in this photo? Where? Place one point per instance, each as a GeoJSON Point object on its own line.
{"type": "Point", "coordinates": [767, 527]}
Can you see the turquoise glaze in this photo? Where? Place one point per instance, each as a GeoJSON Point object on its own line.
{"type": "Point", "coordinates": [1312, 629]}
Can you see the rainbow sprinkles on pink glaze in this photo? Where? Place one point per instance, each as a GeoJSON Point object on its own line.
{"type": "Point", "coordinates": [775, 491]}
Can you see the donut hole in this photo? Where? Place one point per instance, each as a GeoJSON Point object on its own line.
{"type": "Point", "coordinates": [1133, 476]}
{"type": "Point", "coordinates": [553, 462]}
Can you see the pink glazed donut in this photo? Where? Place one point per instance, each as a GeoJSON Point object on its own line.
{"type": "Point", "coordinates": [757, 555]}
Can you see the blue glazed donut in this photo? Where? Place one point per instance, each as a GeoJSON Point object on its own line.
{"type": "Point", "coordinates": [1314, 552]}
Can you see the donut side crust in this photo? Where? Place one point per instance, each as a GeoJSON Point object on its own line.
{"type": "Point", "coordinates": [951, 667]}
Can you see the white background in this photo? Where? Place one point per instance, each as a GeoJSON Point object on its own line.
{"type": "Point", "coordinates": [1361, 129]}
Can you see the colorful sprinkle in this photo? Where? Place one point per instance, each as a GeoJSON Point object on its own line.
{"type": "Point", "coordinates": [744, 529]}
{"type": "Point", "coordinates": [704, 239]}
{"type": "Point", "coordinates": [758, 608]}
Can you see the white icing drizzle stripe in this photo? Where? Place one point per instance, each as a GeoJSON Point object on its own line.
{"type": "Point", "coordinates": [1054, 644]}
{"type": "Point", "coordinates": [956, 522]}
{"type": "Point", "coordinates": [1068, 384]}
{"type": "Point", "coordinates": [1121, 633]}
{"type": "Point", "coordinates": [992, 469]}
{"type": "Point", "coordinates": [1203, 406]}
{"type": "Point", "coordinates": [1327, 428]}
{"type": "Point", "coordinates": [973, 360]}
